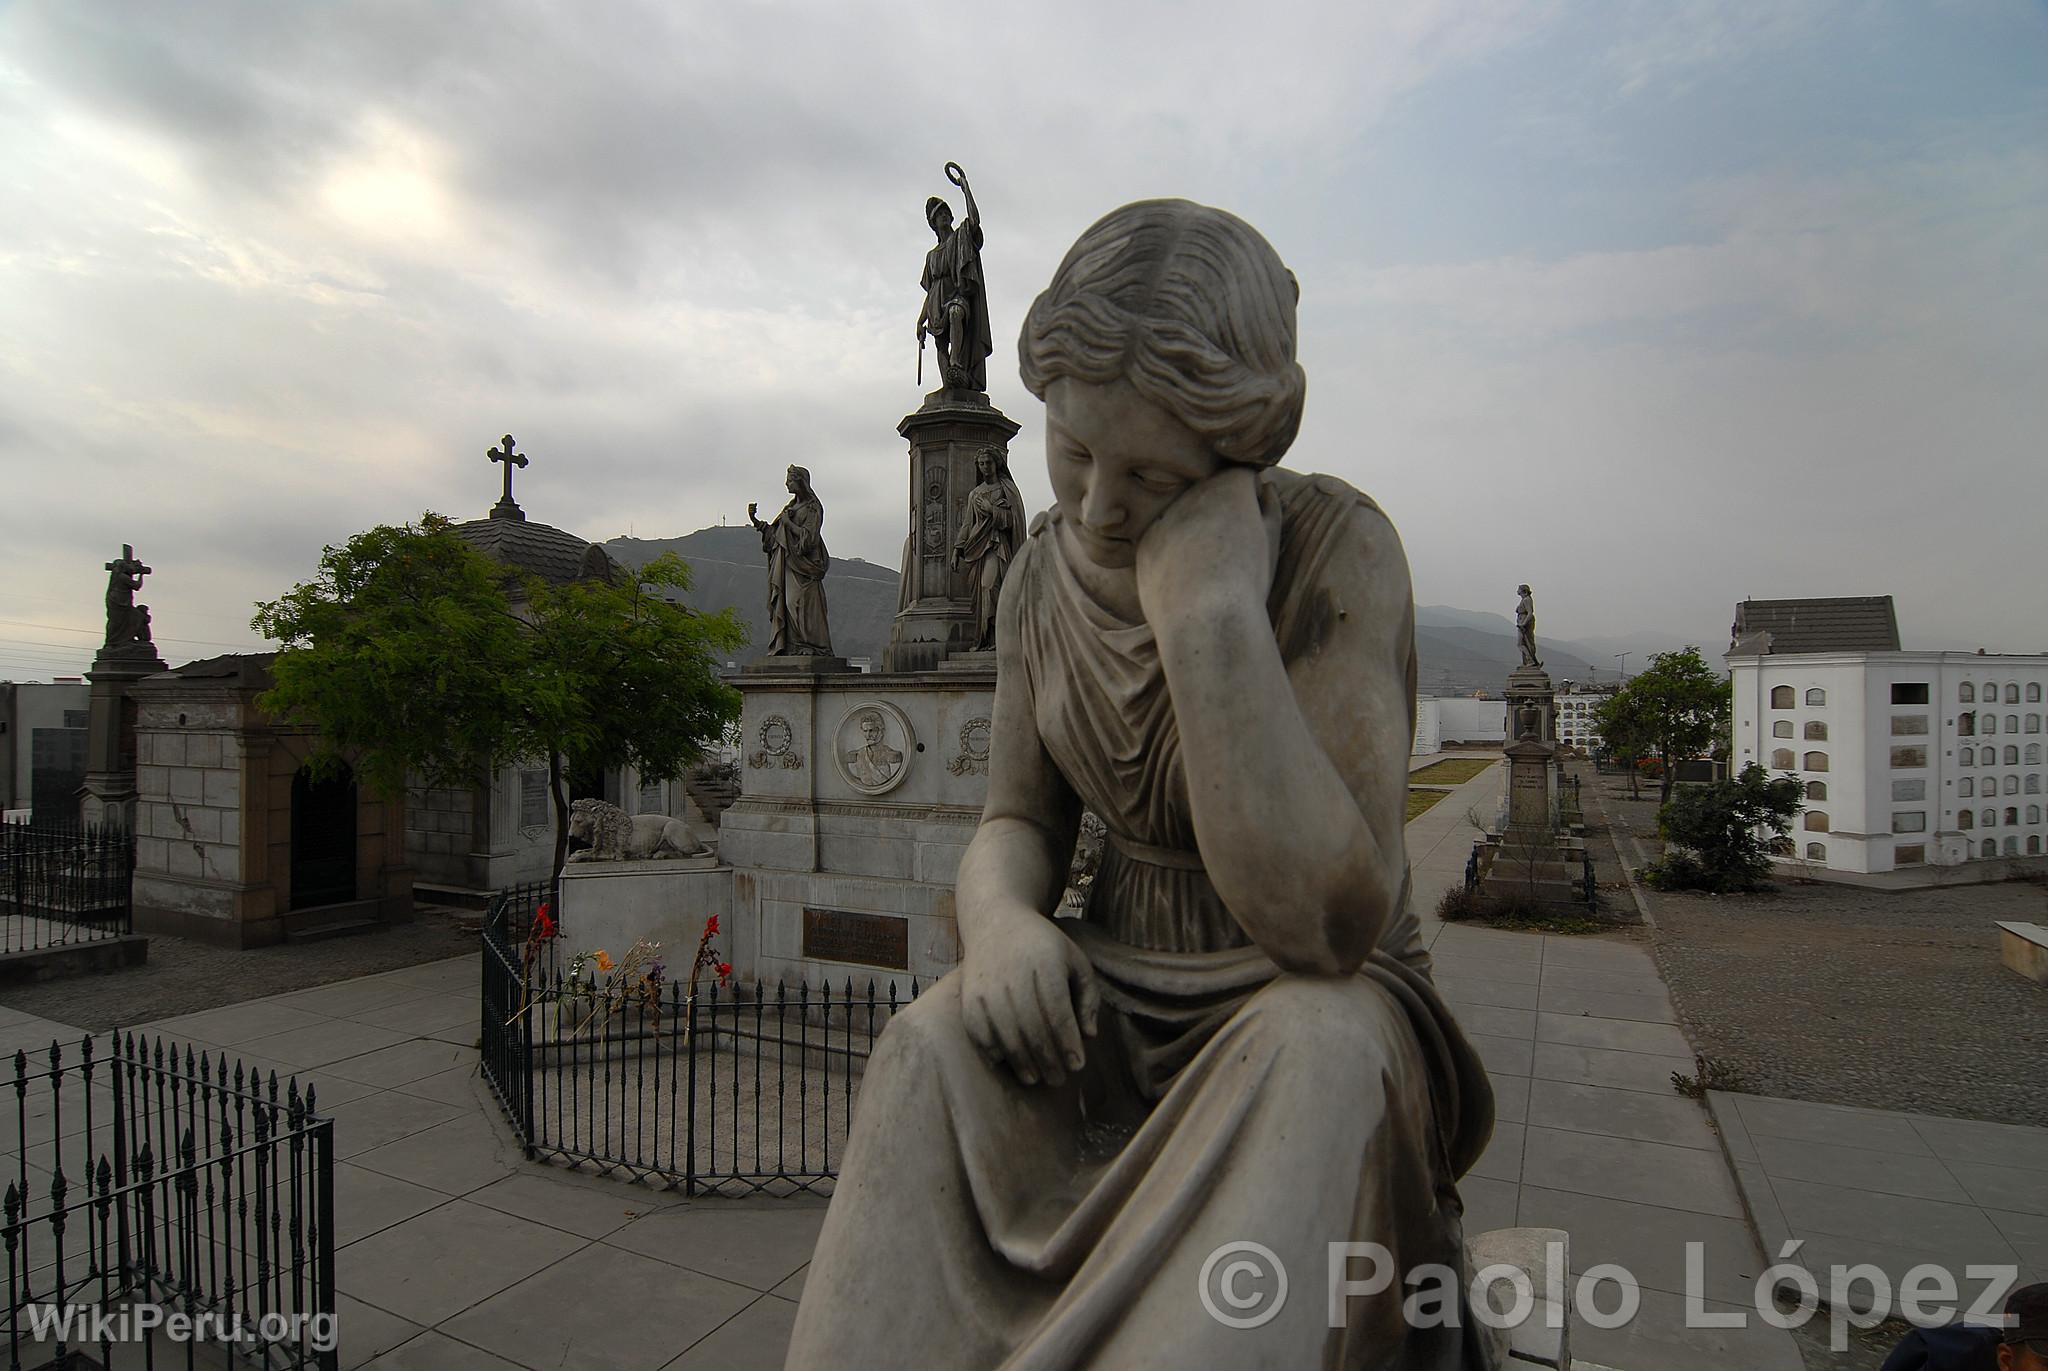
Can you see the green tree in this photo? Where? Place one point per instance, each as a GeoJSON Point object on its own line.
{"type": "Point", "coordinates": [409, 654]}
{"type": "Point", "coordinates": [1719, 835]}
{"type": "Point", "coordinates": [1674, 710]}
{"type": "Point", "coordinates": [1623, 723]}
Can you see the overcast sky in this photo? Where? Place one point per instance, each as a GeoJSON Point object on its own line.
{"type": "Point", "coordinates": [1654, 305]}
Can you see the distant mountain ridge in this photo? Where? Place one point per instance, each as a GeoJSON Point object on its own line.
{"type": "Point", "coordinates": [1459, 650]}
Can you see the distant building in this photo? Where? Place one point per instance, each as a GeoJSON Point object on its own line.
{"type": "Point", "coordinates": [1576, 706]}
{"type": "Point", "coordinates": [1907, 758]}
{"type": "Point", "coordinates": [42, 747]}
{"type": "Point", "coordinates": [1458, 721]}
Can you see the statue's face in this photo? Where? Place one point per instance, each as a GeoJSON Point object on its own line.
{"type": "Point", "coordinates": [985, 467]}
{"type": "Point", "coordinates": [942, 220]}
{"type": "Point", "coordinates": [790, 482]}
{"type": "Point", "coordinates": [871, 730]}
{"type": "Point", "coordinates": [1117, 461]}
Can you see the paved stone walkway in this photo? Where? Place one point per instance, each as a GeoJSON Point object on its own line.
{"type": "Point", "coordinates": [457, 1255]}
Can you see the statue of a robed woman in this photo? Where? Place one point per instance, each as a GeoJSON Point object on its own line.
{"type": "Point", "coordinates": [1238, 1042]}
{"type": "Point", "coordinates": [797, 563]}
{"type": "Point", "coordinates": [989, 536]}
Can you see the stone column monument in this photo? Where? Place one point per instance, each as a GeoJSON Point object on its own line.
{"type": "Point", "coordinates": [125, 657]}
{"type": "Point", "coordinates": [948, 435]}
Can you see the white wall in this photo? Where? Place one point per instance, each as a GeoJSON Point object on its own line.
{"type": "Point", "coordinates": [1872, 808]}
{"type": "Point", "coordinates": [1462, 720]}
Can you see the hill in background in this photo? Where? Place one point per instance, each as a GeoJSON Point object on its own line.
{"type": "Point", "coordinates": [1461, 650]}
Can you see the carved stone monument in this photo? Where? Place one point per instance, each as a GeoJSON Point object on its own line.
{"type": "Point", "coordinates": [127, 654]}
{"type": "Point", "coordinates": [952, 437]}
{"type": "Point", "coordinates": [797, 562]}
{"type": "Point", "coordinates": [1238, 1040]}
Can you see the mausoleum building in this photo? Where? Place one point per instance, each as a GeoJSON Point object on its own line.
{"type": "Point", "coordinates": [1907, 758]}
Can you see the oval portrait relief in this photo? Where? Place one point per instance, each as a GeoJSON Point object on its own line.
{"type": "Point", "coordinates": [873, 747]}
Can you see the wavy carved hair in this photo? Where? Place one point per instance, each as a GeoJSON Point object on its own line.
{"type": "Point", "coordinates": [1193, 307]}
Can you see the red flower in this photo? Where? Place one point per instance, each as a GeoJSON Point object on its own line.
{"type": "Point", "coordinates": [711, 926]}
{"type": "Point", "coordinates": [724, 972]}
{"type": "Point", "coordinates": [544, 927]}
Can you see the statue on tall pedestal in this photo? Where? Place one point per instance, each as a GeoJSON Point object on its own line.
{"type": "Point", "coordinates": [989, 537]}
{"type": "Point", "coordinates": [127, 622]}
{"type": "Point", "coordinates": [797, 562]}
{"type": "Point", "coordinates": [1237, 1046]}
{"type": "Point", "coordinates": [1525, 629]}
{"type": "Point", "coordinates": [955, 312]}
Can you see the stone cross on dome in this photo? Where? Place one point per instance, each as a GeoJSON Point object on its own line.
{"type": "Point", "coordinates": [507, 508]}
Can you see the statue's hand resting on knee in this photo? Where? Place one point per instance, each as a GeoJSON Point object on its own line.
{"type": "Point", "coordinates": [1028, 996]}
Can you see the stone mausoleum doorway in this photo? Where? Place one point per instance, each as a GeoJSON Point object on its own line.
{"type": "Point", "coordinates": [323, 839]}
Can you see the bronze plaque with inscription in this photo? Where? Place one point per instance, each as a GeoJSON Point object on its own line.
{"type": "Point", "coordinates": [837, 935]}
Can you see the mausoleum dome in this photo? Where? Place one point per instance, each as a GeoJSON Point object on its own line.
{"type": "Point", "coordinates": [555, 555]}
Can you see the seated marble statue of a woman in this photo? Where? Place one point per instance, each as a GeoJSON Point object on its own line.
{"type": "Point", "coordinates": [1238, 1041]}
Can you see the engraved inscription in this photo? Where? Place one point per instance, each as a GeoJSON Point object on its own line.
{"type": "Point", "coordinates": [838, 935]}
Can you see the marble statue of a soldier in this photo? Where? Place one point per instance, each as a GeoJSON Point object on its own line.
{"type": "Point", "coordinates": [955, 312]}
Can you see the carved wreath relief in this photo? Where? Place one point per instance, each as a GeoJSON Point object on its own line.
{"type": "Point", "coordinates": [778, 746]}
{"type": "Point", "coordinates": [934, 507]}
{"type": "Point", "coordinates": [973, 758]}
{"type": "Point", "coordinates": [873, 747]}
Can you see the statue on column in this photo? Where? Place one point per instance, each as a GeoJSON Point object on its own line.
{"type": "Point", "coordinates": [127, 622]}
{"type": "Point", "coordinates": [955, 312]}
{"type": "Point", "coordinates": [797, 562]}
{"type": "Point", "coordinates": [988, 539]}
{"type": "Point", "coordinates": [1525, 628]}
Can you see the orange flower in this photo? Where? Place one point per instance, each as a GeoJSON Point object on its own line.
{"type": "Point", "coordinates": [603, 959]}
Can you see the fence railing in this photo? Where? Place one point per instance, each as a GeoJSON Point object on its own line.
{"type": "Point", "coordinates": [716, 1087]}
{"type": "Point", "coordinates": [62, 884]}
{"type": "Point", "coordinates": [164, 1208]}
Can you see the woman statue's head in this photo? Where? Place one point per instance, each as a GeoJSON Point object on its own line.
{"type": "Point", "coordinates": [798, 481]}
{"type": "Point", "coordinates": [1193, 308]}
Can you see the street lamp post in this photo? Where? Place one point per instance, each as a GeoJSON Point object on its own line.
{"type": "Point", "coordinates": [1622, 657]}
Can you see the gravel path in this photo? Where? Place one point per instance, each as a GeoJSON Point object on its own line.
{"type": "Point", "coordinates": [1847, 996]}
{"type": "Point", "coordinates": [183, 976]}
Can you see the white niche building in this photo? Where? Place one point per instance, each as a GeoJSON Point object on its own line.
{"type": "Point", "coordinates": [1907, 758]}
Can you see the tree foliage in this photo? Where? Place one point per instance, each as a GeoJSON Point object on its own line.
{"type": "Point", "coordinates": [1675, 709]}
{"type": "Point", "coordinates": [1718, 836]}
{"type": "Point", "coordinates": [407, 651]}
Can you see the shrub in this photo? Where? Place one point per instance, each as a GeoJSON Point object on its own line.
{"type": "Point", "coordinates": [1718, 835]}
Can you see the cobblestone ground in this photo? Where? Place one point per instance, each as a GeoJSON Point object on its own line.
{"type": "Point", "coordinates": [1847, 996]}
{"type": "Point", "coordinates": [183, 976]}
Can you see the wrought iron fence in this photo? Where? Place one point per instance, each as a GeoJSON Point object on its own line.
{"type": "Point", "coordinates": [62, 884]}
{"type": "Point", "coordinates": [165, 1209]}
{"type": "Point", "coordinates": [706, 1088]}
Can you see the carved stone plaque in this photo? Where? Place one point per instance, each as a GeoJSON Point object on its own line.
{"type": "Point", "coordinates": [837, 935]}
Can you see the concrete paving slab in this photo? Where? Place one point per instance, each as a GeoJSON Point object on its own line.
{"type": "Point", "coordinates": [384, 1117]}
{"type": "Point", "coordinates": [754, 1243]}
{"type": "Point", "coordinates": [1860, 1168]}
{"type": "Point", "coordinates": [1516, 971]}
{"type": "Point", "coordinates": [1620, 1035]}
{"type": "Point", "coordinates": [1645, 982]}
{"type": "Point", "coordinates": [1812, 1207]}
{"type": "Point", "coordinates": [1988, 1144]}
{"type": "Point", "coordinates": [588, 1208]}
{"type": "Point", "coordinates": [1630, 1169]}
{"type": "Point", "coordinates": [2021, 1190]}
{"type": "Point", "coordinates": [1473, 990]}
{"type": "Point", "coordinates": [236, 1024]}
{"type": "Point", "coordinates": [458, 1085]}
{"type": "Point", "coordinates": [602, 1309]}
{"type": "Point", "coordinates": [367, 1332]}
{"type": "Point", "coordinates": [1604, 1066]}
{"type": "Point", "coordinates": [431, 1012]}
{"type": "Point", "coordinates": [1638, 1114]}
{"type": "Point", "coordinates": [367, 1202]}
{"type": "Point", "coordinates": [323, 1044]}
{"type": "Point", "coordinates": [412, 1269]}
{"type": "Point", "coordinates": [463, 1154]}
{"type": "Point", "coordinates": [1649, 1241]}
{"type": "Point", "coordinates": [1502, 1159]}
{"type": "Point", "coordinates": [1605, 1004]}
{"type": "Point", "coordinates": [754, 1340]}
{"type": "Point", "coordinates": [438, 1352]}
{"type": "Point", "coordinates": [1489, 1204]}
{"type": "Point", "coordinates": [1495, 1019]}
{"type": "Point", "coordinates": [1510, 1099]}
{"type": "Point", "coordinates": [401, 1062]}
{"type": "Point", "coordinates": [1507, 1056]}
{"type": "Point", "coordinates": [1827, 1123]}
{"type": "Point", "coordinates": [1659, 1338]}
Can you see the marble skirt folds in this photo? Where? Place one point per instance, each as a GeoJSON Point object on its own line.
{"type": "Point", "coordinates": [983, 1225]}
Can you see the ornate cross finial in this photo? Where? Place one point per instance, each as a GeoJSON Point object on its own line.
{"type": "Point", "coordinates": [506, 508]}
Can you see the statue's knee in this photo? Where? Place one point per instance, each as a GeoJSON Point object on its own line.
{"type": "Point", "coordinates": [921, 1031]}
{"type": "Point", "coordinates": [1346, 1022]}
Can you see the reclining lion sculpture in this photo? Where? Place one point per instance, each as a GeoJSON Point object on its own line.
{"type": "Point", "coordinates": [616, 836]}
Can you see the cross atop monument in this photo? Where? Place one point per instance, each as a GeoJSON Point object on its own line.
{"type": "Point", "coordinates": [506, 508]}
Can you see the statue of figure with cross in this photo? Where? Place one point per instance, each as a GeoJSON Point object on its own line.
{"type": "Point", "coordinates": [507, 508]}
{"type": "Point", "coordinates": [127, 622]}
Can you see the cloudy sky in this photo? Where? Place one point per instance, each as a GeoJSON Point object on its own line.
{"type": "Point", "coordinates": [1655, 305]}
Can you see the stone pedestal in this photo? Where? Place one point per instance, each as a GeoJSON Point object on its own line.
{"type": "Point", "coordinates": [937, 617]}
{"type": "Point", "coordinates": [858, 795]}
{"type": "Point", "coordinates": [110, 791]}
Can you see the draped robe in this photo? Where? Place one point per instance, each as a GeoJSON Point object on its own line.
{"type": "Point", "coordinates": [797, 563]}
{"type": "Point", "coordinates": [982, 1224]}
